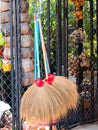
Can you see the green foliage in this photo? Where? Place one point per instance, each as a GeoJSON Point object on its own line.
{"type": "Point", "coordinates": [1, 63]}
{"type": "Point", "coordinates": [71, 9]}
{"type": "Point", "coordinates": [2, 41]}
{"type": "Point", "coordinates": [35, 6]}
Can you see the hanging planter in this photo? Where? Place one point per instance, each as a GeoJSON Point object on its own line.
{"type": "Point", "coordinates": [78, 12]}
{"type": "Point", "coordinates": [77, 35]}
{"type": "Point", "coordinates": [78, 3]}
{"type": "Point", "coordinates": [85, 95]}
{"type": "Point", "coordinates": [85, 102]}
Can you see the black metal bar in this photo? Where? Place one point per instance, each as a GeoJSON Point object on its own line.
{"type": "Point", "coordinates": [66, 123]}
{"type": "Point", "coordinates": [48, 29]}
{"type": "Point", "coordinates": [59, 37]}
{"type": "Point", "coordinates": [65, 47]}
{"type": "Point", "coordinates": [58, 125]}
{"type": "Point", "coordinates": [16, 65]}
{"type": "Point", "coordinates": [79, 77]}
{"type": "Point", "coordinates": [79, 47]}
{"type": "Point", "coordinates": [79, 44]}
{"type": "Point", "coordinates": [96, 100]}
{"type": "Point", "coordinates": [12, 65]}
{"type": "Point", "coordinates": [19, 62]}
{"type": "Point", "coordinates": [65, 37]}
{"type": "Point", "coordinates": [91, 57]}
{"type": "Point", "coordinates": [97, 47]}
{"type": "Point", "coordinates": [50, 127]}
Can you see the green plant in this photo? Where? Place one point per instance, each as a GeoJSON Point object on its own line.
{"type": "Point", "coordinates": [2, 41]}
{"type": "Point", "coordinates": [72, 50]}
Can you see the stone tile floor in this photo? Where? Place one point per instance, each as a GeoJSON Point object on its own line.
{"type": "Point", "coordinates": [93, 126]}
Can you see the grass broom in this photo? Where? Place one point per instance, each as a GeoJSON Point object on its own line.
{"type": "Point", "coordinates": [62, 84]}
{"type": "Point", "coordinates": [39, 105]}
{"type": "Point", "coordinates": [36, 102]}
{"type": "Point", "coordinates": [51, 100]}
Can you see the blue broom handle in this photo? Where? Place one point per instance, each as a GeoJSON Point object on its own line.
{"type": "Point", "coordinates": [35, 60]}
{"type": "Point", "coordinates": [37, 47]}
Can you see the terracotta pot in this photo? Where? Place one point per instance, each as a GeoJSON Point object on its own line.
{"type": "Point", "coordinates": [25, 17]}
{"type": "Point", "coordinates": [5, 17]}
{"type": "Point", "coordinates": [81, 17]}
{"type": "Point", "coordinates": [24, 6]}
{"type": "Point", "coordinates": [25, 29]}
{"type": "Point", "coordinates": [4, 6]}
{"type": "Point", "coordinates": [25, 53]}
{"type": "Point", "coordinates": [78, 13]}
{"type": "Point", "coordinates": [27, 65]}
{"type": "Point", "coordinates": [82, 3]}
{"type": "Point", "coordinates": [87, 103]}
{"type": "Point", "coordinates": [5, 0]}
{"type": "Point", "coordinates": [26, 41]}
{"type": "Point", "coordinates": [27, 78]}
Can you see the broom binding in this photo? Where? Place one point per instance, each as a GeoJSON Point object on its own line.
{"type": "Point", "coordinates": [39, 83]}
{"type": "Point", "coordinates": [50, 79]}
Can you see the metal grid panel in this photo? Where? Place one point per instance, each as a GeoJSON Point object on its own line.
{"type": "Point", "coordinates": [10, 90]}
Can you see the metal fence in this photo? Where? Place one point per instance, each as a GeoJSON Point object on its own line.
{"type": "Point", "coordinates": [59, 49]}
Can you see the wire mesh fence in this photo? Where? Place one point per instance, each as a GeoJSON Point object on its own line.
{"type": "Point", "coordinates": [72, 46]}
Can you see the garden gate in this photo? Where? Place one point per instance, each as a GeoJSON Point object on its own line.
{"type": "Point", "coordinates": [72, 46]}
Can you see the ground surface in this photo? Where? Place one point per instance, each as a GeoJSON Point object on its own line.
{"type": "Point", "coordinates": [93, 126]}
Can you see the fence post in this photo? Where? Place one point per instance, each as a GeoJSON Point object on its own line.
{"type": "Point", "coordinates": [59, 37]}
{"type": "Point", "coordinates": [91, 59]}
{"type": "Point", "coordinates": [65, 37]}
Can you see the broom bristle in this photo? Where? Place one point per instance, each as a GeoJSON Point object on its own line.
{"type": "Point", "coordinates": [41, 104]}
{"type": "Point", "coordinates": [65, 85]}
{"type": "Point", "coordinates": [49, 102]}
